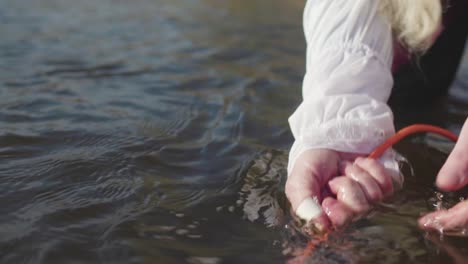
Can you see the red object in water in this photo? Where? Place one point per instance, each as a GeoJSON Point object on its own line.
{"type": "Point", "coordinates": [409, 130]}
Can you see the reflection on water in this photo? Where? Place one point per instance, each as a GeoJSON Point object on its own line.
{"type": "Point", "coordinates": [262, 191]}
{"type": "Point", "coordinates": [155, 132]}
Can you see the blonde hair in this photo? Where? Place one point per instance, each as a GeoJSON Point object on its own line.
{"type": "Point", "coordinates": [414, 22]}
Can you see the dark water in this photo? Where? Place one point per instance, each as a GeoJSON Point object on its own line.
{"type": "Point", "coordinates": [154, 132]}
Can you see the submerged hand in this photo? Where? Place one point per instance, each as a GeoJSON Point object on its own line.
{"type": "Point", "coordinates": [330, 188]}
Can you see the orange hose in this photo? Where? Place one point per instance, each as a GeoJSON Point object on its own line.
{"type": "Point", "coordinates": [409, 130]}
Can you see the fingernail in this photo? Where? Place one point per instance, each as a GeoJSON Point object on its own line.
{"type": "Point", "coordinates": [309, 209]}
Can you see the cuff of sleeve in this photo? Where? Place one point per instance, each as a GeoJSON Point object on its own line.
{"type": "Point", "coordinates": [351, 123]}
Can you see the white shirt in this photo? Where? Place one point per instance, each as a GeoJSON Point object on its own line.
{"type": "Point", "coordinates": [347, 82]}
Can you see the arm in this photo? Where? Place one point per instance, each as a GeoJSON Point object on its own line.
{"type": "Point", "coordinates": [344, 112]}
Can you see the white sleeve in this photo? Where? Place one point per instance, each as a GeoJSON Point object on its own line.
{"type": "Point", "coordinates": [348, 79]}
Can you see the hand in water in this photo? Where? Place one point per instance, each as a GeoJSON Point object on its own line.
{"type": "Point", "coordinates": [453, 176]}
{"type": "Point", "coordinates": [330, 188]}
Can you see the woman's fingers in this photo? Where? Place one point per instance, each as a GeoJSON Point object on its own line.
{"type": "Point", "coordinates": [349, 193]}
{"type": "Point", "coordinates": [378, 173]}
{"type": "Point", "coordinates": [454, 173]}
{"type": "Point", "coordinates": [338, 213]}
{"type": "Point", "coordinates": [454, 219]}
{"type": "Point", "coordinates": [368, 184]}
{"type": "Point", "coordinates": [452, 176]}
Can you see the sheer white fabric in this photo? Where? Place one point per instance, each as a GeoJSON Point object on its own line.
{"type": "Point", "coordinates": [347, 82]}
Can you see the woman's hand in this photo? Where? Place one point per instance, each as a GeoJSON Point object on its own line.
{"type": "Point", "coordinates": [330, 188]}
{"type": "Point", "coordinates": [453, 176]}
{"type": "Point", "coordinates": [453, 220]}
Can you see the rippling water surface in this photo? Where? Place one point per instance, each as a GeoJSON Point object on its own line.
{"type": "Point", "coordinates": [155, 132]}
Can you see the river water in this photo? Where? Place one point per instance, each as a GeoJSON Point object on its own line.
{"type": "Point", "coordinates": [156, 132]}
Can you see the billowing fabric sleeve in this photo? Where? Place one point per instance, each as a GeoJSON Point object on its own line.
{"type": "Point", "coordinates": [347, 82]}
